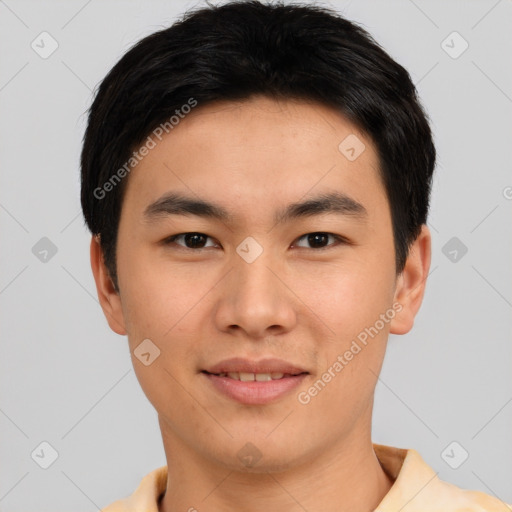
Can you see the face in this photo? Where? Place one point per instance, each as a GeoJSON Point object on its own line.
{"type": "Point", "coordinates": [255, 286]}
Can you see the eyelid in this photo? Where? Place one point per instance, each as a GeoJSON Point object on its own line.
{"type": "Point", "coordinates": [339, 240]}
{"type": "Point", "coordinates": [171, 239]}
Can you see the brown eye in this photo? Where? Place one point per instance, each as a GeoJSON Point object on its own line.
{"type": "Point", "coordinates": [320, 240]}
{"type": "Point", "coordinates": [189, 240]}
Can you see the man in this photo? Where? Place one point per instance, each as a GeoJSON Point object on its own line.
{"type": "Point", "coordinates": [256, 179]}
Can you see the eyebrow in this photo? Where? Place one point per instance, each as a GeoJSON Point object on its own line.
{"type": "Point", "coordinates": [174, 203]}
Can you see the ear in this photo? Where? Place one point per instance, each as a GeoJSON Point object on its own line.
{"type": "Point", "coordinates": [411, 283]}
{"type": "Point", "coordinates": [109, 298]}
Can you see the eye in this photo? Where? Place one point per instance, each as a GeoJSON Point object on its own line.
{"type": "Point", "coordinates": [191, 240]}
{"type": "Point", "coordinates": [197, 241]}
{"type": "Point", "coordinates": [319, 240]}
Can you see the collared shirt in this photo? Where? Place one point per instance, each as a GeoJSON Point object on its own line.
{"type": "Point", "coordinates": [416, 488]}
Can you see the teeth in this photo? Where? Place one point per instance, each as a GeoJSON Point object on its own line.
{"type": "Point", "coordinates": [248, 377]}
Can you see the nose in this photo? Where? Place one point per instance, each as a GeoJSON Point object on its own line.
{"type": "Point", "coordinates": [255, 300]}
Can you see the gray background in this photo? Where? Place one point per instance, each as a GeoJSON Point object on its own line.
{"type": "Point", "coordinates": [66, 378]}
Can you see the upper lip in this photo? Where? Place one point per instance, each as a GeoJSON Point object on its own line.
{"type": "Point", "coordinates": [269, 365]}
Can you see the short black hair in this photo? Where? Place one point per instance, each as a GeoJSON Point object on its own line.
{"type": "Point", "coordinates": [245, 48]}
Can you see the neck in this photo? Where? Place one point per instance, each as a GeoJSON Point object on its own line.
{"type": "Point", "coordinates": [345, 477]}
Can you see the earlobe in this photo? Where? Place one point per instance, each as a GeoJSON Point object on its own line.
{"type": "Point", "coordinates": [411, 283]}
{"type": "Point", "coordinates": [109, 298]}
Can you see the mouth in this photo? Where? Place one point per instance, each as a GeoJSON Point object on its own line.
{"type": "Point", "coordinates": [237, 367]}
{"type": "Point", "coordinates": [254, 382]}
{"type": "Point", "coordinates": [255, 377]}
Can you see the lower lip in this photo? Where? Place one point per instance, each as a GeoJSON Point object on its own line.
{"type": "Point", "coordinates": [254, 392]}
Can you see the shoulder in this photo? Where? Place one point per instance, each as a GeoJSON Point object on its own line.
{"type": "Point", "coordinates": [145, 497]}
{"type": "Point", "coordinates": [417, 487]}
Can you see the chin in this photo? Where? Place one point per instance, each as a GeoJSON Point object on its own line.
{"type": "Point", "coordinates": [260, 455]}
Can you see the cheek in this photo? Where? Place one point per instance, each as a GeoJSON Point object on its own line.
{"type": "Point", "coordinates": [146, 297]}
{"type": "Point", "coordinates": [351, 305]}
{"type": "Point", "coordinates": [167, 304]}
{"type": "Point", "coordinates": [158, 304]}
{"type": "Point", "coordinates": [346, 296]}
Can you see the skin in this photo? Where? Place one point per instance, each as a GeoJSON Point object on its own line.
{"type": "Point", "coordinates": [295, 302]}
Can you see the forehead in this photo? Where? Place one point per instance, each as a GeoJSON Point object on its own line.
{"type": "Point", "coordinates": [256, 153]}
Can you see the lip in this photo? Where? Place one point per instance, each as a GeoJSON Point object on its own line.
{"type": "Point", "coordinates": [268, 365]}
{"type": "Point", "coordinates": [255, 392]}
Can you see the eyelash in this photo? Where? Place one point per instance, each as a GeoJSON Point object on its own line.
{"type": "Point", "coordinates": [339, 239]}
